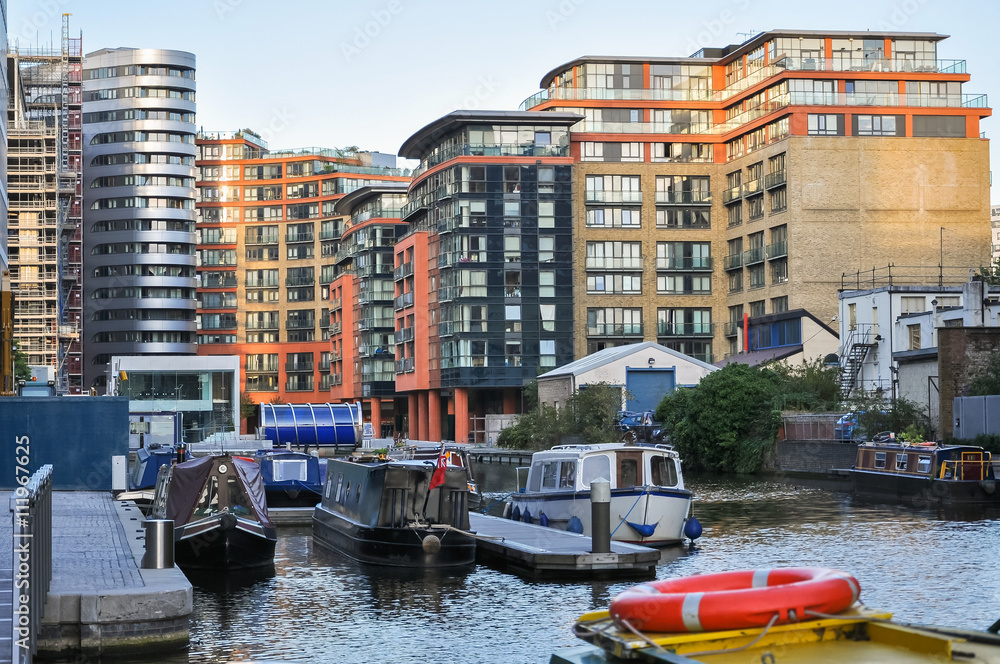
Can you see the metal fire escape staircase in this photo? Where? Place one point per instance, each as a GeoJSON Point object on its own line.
{"type": "Point", "coordinates": [860, 340]}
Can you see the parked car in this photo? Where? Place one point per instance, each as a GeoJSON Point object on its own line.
{"type": "Point", "coordinates": [846, 427]}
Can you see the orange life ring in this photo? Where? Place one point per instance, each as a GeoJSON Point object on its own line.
{"type": "Point", "coordinates": [735, 600]}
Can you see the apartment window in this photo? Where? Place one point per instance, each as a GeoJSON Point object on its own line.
{"type": "Point", "coordinates": [755, 207]}
{"type": "Point", "coordinates": [613, 218]}
{"type": "Point", "coordinates": [825, 125]}
{"type": "Point", "coordinates": [546, 248]}
{"type": "Point", "coordinates": [547, 353]}
{"type": "Point", "coordinates": [614, 255]}
{"type": "Point", "coordinates": [756, 308]}
{"type": "Point", "coordinates": [779, 271]}
{"type": "Point", "coordinates": [912, 305]}
{"type": "Point", "coordinates": [779, 200]}
{"type": "Point", "coordinates": [913, 337]}
{"type": "Point", "coordinates": [736, 281]}
{"type": "Point", "coordinates": [618, 284]}
{"type": "Point", "coordinates": [512, 316]}
{"type": "Point", "coordinates": [779, 304]}
{"type": "Point", "coordinates": [735, 214]}
{"type": "Point", "coordinates": [682, 217]}
{"type": "Point", "coordinates": [682, 189]}
{"type": "Point", "coordinates": [683, 255]}
{"type": "Point", "coordinates": [682, 152]}
{"type": "Point", "coordinates": [944, 126]}
{"type": "Point", "coordinates": [613, 188]}
{"type": "Point", "coordinates": [878, 125]}
{"type": "Point", "coordinates": [546, 283]}
{"type": "Point", "coordinates": [546, 213]}
{"type": "Point", "coordinates": [547, 314]}
{"type": "Point", "coordinates": [683, 322]}
{"type": "Point", "coordinates": [756, 276]}
{"type": "Point", "coordinates": [512, 248]}
{"type": "Point", "coordinates": [614, 321]}
{"type": "Point", "coordinates": [684, 284]}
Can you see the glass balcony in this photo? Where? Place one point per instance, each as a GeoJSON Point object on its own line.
{"type": "Point", "coordinates": [685, 263]}
{"type": "Point", "coordinates": [336, 303]}
{"type": "Point", "coordinates": [262, 240]}
{"type": "Point", "coordinates": [292, 282]}
{"type": "Point", "coordinates": [777, 250]}
{"type": "Point", "coordinates": [683, 198]}
{"type": "Point", "coordinates": [732, 194]}
{"type": "Point", "coordinates": [336, 327]}
{"type": "Point", "coordinates": [299, 366]}
{"type": "Point", "coordinates": [776, 179]}
{"type": "Point", "coordinates": [369, 295]}
{"type": "Point", "coordinates": [299, 237]}
{"type": "Point", "coordinates": [403, 271]}
{"type": "Point", "coordinates": [602, 196]}
{"type": "Point", "coordinates": [733, 261]}
{"type": "Point", "coordinates": [495, 150]}
{"type": "Point", "coordinates": [403, 301]}
{"type": "Point", "coordinates": [753, 255]}
{"type": "Point", "coordinates": [614, 330]}
{"type": "Point", "coordinates": [685, 329]}
{"type": "Point", "coordinates": [752, 187]}
{"type": "Point", "coordinates": [849, 62]}
{"type": "Point", "coordinates": [614, 262]}
{"type": "Point", "coordinates": [731, 328]}
{"type": "Point", "coordinates": [298, 324]}
{"type": "Point", "coordinates": [404, 335]}
{"type": "Point", "coordinates": [405, 365]}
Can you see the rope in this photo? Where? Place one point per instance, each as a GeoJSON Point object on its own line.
{"type": "Point", "coordinates": [445, 526]}
{"type": "Point", "coordinates": [723, 651]}
{"type": "Point", "coordinates": [643, 493]}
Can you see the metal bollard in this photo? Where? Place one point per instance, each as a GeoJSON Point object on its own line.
{"type": "Point", "coordinates": [600, 516]}
{"type": "Point", "coordinates": [159, 544]}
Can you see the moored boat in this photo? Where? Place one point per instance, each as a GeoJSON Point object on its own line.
{"type": "Point", "coordinates": [396, 513]}
{"type": "Point", "coordinates": [930, 473]}
{"type": "Point", "coordinates": [456, 456]}
{"type": "Point", "coordinates": [786, 615]}
{"type": "Point", "coordinates": [649, 504]}
{"type": "Point", "coordinates": [219, 512]}
{"type": "Point", "coordinates": [291, 479]}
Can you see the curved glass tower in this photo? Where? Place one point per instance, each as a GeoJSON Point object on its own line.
{"type": "Point", "coordinates": [139, 200]}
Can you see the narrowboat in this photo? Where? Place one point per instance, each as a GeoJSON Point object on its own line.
{"type": "Point", "coordinates": [924, 472]}
{"type": "Point", "coordinates": [396, 513]}
{"type": "Point", "coordinates": [291, 479]}
{"type": "Point", "coordinates": [649, 504]}
{"type": "Point", "coordinates": [219, 512]}
{"type": "Point", "coordinates": [785, 615]}
{"type": "Point", "coordinates": [456, 455]}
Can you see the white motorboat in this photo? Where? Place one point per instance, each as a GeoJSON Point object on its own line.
{"type": "Point", "coordinates": [649, 504]}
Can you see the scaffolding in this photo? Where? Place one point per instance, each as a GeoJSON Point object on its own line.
{"type": "Point", "coordinates": [45, 115]}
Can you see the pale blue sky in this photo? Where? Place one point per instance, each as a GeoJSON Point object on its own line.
{"type": "Point", "coordinates": [304, 72]}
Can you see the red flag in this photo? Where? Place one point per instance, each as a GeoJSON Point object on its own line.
{"type": "Point", "coordinates": [437, 479]}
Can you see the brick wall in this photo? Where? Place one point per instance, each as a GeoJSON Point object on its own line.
{"type": "Point", "coordinates": [811, 456]}
{"type": "Point", "coordinates": [963, 354]}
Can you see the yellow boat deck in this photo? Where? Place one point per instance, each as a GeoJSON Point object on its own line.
{"type": "Point", "coordinates": [857, 635]}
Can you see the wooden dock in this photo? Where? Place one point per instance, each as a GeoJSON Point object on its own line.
{"type": "Point", "coordinates": [291, 516]}
{"type": "Point", "coordinates": [546, 552]}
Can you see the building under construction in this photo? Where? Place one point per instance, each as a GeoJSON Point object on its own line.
{"type": "Point", "coordinates": [44, 128]}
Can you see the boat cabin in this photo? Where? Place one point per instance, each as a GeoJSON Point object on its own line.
{"type": "Point", "coordinates": [944, 462]}
{"type": "Point", "coordinates": [207, 486]}
{"type": "Point", "coordinates": [574, 467]}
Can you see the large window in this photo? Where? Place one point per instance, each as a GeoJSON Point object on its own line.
{"type": "Point", "coordinates": [825, 125]}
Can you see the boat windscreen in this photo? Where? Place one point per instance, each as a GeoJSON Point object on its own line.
{"type": "Point", "coordinates": [249, 472]}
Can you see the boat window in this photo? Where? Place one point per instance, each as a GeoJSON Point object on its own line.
{"type": "Point", "coordinates": [880, 459]}
{"type": "Point", "coordinates": [357, 494]}
{"type": "Point", "coordinates": [923, 464]}
{"type": "Point", "coordinates": [628, 472]}
{"type": "Point", "coordinates": [238, 502]}
{"type": "Point", "coordinates": [346, 493]}
{"type": "Point", "coordinates": [340, 485]}
{"type": "Point", "coordinates": [208, 503]}
{"type": "Point", "coordinates": [901, 461]}
{"type": "Point", "coordinates": [283, 470]}
{"type": "Point", "coordinates": [663, 471]}
{"type": "Point", "coordinates": [567, 474]}
{"type": "Point", "coordinates": [595, 467]}
{"type": "Point", "coordinates": [549, 474]}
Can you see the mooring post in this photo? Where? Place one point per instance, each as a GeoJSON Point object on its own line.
{"type": "Point", "coordinates": [600, 516]}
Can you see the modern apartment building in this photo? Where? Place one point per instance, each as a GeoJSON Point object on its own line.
{"type": "Point", "coordinates": [748, 179]}
{"type": "Point", "coordinates": [362, 295]}
{"type": "Point", "coordinates": [139, 221]}
{"type": "Point", "coordinates": [6, 294]}
{"type": "Point", "coordinates": [995, 233]}
{"type": "Point", "coordinates": [485, 271]}
{"type": "Point", "coordinates": [269, 244]}
{"type": "Point", "coordinates": [46, 205]}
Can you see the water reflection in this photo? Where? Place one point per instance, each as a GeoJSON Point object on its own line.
{"type": "Point", "coordinates": [926, 565]}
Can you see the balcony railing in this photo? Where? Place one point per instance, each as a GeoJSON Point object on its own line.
{"type": "Point", "coordinates": [261, 240]}
{"type": "Point", "coordinates": [733, 261]}
{"type": "Point", "coordinates": [300, 281]}
{"type": "Point", "coordinates": [683, 198]}
{"type": "Point", "coordinates": [300, 385]}
{"type": "Point", "coordinates": [336, 327]}
{"type": "Point", "coordinates": [602, 196]}
{"type": "Point", "coordinates": [404, 334]}
{"type": "Point", "coordinates": [753, 255]}
{"type": "Point", "coordinates": [615, 330]}
{"type": "Point", "coordinates": [683, 263]}
{"type": "Point", "coordinates": [403, 301]}
{"type": "Point", "coordinates": [299, 366]}
{"type": "Point", "coordinates": [297, 324]}
{"type": "Point", "coordinates": [336, 379]}
{"type": "Point", "coordinates": [405, 365]}
{"type": "Point", "coordinates": [862, 64]}
{"type": "Point", "coordinates": [614, 262]}
{"type": "Point", "coordinates": [299, 237]}
{"type": "Point", "coordinates": [777, 249]}
{"type": "Point", "coordinates": [776, 179]}
{"type": "Point", "coordinates": [752, 187]}
{"type": "Point", "coordinates": [731, 328]}
{"type": "Point", "coordinates": [262, 325]}
{"type": "Point", "coordinates": [732, 194]}
{"type": "Point", "coordinates": [370, 295]}
{"type": "Point", "coordinates": [685, 329]}
{"type": "Point", "coordinates": [336, 304]}
{"type": "Point", "coordinates": [403, 271]}
{"type": "Point", "coordinates": [494, 150]}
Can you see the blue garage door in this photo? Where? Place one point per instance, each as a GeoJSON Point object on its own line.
{"type": "Point", "coordinates": [648, 387]}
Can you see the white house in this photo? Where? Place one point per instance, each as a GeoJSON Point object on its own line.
{"type": "Point", "coordinates": [646, 370]}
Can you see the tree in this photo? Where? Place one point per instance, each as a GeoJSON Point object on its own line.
{"type": "Point", "coordinates": [991, 274]}
{"type": "Point", "coordinates": [276, 400]}
{"type": "Point", "coordinates": [876, 413]}
{"type": "Point", "coordinates": [727, 422]}
{"type": "Point", "coordinates": [988, 382]}
{"type": "Point", "coordinates": [248, 407]}
{"type": "Point", "coordinates": [21, 369]}
{"type": "Point", "coordinates": [589, 416]}
{"type": "Point", "coordinates": [810, 386]}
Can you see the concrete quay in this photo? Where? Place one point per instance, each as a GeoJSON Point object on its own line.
{"type": "Point", "coordinates": [101, 602]}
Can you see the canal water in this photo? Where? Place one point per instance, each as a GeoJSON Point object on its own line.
{"type": "Point", "coordinates": [925, 565]}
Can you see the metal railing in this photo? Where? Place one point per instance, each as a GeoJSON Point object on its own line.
{"type": "Point", "coordinates": [31, 508]}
